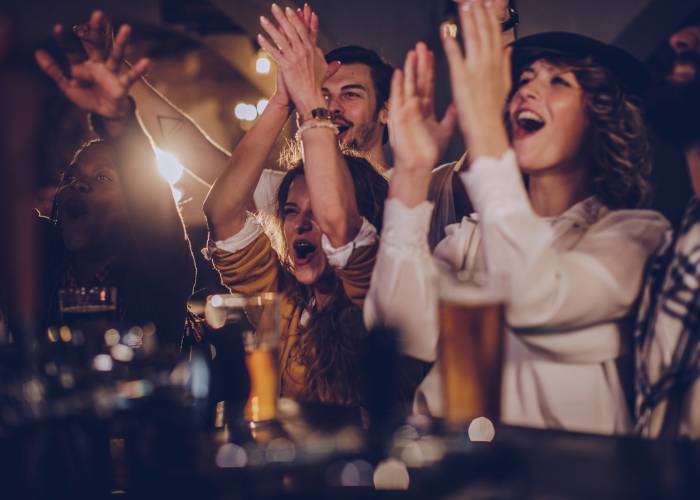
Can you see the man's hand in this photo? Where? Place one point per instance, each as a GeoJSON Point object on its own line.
{"type": "Point", "coordinates": [417, 138]}
{"type": "Point", "coordinates": [95, 85]}
{"type": "Point", "coordinates": [480, 78]}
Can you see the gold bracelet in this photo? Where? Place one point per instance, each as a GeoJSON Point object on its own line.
{"type": "Point", "coordinates": [316, 123]}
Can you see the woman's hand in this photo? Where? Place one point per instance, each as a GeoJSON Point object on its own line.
{"type": "Point", "coordinates": [480, 78]}
{"type": "Point", "coordinates": [95, 84]}
{"type": "Point", "coordinates": [417, 138]}
{"type": "Point", "coordinates": [299, 60]}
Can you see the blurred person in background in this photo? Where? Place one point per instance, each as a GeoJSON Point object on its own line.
{"type": "Point", "coordinates": [114, 220]}
{"type": "Point", "coordinates": [668, 333]}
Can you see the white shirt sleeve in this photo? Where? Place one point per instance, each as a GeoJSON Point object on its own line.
{"type": "Point", "coordinates": [552, 289]}
{"type": "Point", "coordinates": [247, 235]}
{"type": "Point", "coordinates": [265, 195]}
{"type": "Point", "coordinates": [402, 293]}
{"type": "Point", "coordinates": [338, 257]}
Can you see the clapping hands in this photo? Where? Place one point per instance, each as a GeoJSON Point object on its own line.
{"type": "Point", "coordinates": [300, 62]}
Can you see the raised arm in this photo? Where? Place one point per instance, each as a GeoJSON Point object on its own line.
{"type": "Point", "coordinates": [232, 194]}
{"type": "Point", "coordinates": [169, 127]}
{"type": "Point", "coordinates": [327, 176]}
{"type": "Point", "coordinates": [403, 274]}
{"type": "Point", "coordinates": [97, 87]}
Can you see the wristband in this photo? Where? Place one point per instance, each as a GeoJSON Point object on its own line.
{"type": "Point", "coordinates": [316, 124]}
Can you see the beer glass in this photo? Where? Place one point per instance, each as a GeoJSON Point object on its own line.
{"type": "Point", "coordinates": [259, 318]}
{"type": "Point", "coordinates": [471, 346]}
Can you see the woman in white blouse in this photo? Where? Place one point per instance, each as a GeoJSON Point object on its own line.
{"type": "Point", "coordinates": [573, 243]}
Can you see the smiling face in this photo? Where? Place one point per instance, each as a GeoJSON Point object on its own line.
{"type": "Point", "coordinates": [302, 235]}
{"type": "Point", "coordinates": [548, 119]}
{"type": "Point", "coordinates": [352, 99]}
{"type": "Point", "coordinates": [91, 208]}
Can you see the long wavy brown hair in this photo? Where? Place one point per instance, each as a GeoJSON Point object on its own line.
{"type": "Point", "coordinates": [619, 139]}
{"type": "Point", "coordinates": [329, 346]}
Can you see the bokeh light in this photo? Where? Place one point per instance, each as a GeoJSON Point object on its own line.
{"type": "Point", "coordinates": [168, 166]}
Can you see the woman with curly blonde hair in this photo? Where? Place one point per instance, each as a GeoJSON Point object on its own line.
{"type": "Point", "coordinates": [570, 242]}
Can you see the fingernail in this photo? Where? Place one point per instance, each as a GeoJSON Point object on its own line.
{"type": "Point", "coordinates": [275, 7]}
{"type": "Point", "coordinates": [263, 20]}
{"type": "Point", "coordinates": [466, 6]}
{"type": "Point", "coordinates": [289, 11]}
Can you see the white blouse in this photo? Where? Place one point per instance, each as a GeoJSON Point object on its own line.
{"type": "Point", "coordinates": [573, 281]}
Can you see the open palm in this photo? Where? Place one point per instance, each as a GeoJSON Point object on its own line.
{"type": "Point", "coordinates": [417, 138]}
{"type": "Point", "coordinates": [95, 84]}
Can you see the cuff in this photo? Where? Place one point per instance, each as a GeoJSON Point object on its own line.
{"type": "Point", "coordinates": [247, 235]}
{"type": "Point", "coordinates": [495, 185]}
{"type": "Point", "coordinates": [406, 227]}
{"type": "Point", "coordinates": [338, 257]}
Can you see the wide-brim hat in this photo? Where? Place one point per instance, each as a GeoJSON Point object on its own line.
{"type": "Point", "coordinates": [629, 71]}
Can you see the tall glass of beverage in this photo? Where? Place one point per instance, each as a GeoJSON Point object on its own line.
{"type": "Point", "coordinates": [471, 346]}
{"type": "Point", "coordinates": [259, 319]}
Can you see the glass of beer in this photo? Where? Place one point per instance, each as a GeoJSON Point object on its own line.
{"type": "Point", "coordinates": [259, 318]}
{"type": "Point", "coordinates": [471, 346]}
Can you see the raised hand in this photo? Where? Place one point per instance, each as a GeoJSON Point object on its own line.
{"type": "Point", "coordinates": [95, 84]}
{"type": "Point", "coordinates": [96, 36]}
{"type": "Point", "coordinates": [480, 78]}
{"type": "Point", "coordinates": [298, 59]}
{"type": "Point", "coordinates": [441, 130]}
{"type": "Point", "coordinates": [417, 138]}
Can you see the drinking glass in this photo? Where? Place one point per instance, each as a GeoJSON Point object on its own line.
{"type": "Point", "coordinates": [259, 318]}
{"type": "Point", "coordinates": [471, 346]}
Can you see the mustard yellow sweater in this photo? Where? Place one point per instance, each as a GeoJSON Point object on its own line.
{"type": "Point", "coordinates": [257, 269]}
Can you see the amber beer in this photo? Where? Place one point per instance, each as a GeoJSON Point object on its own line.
{"type": "Point", "coordinates": [471, 348]}
{"type": "Point", "coordinates": [262, 366]}
{"type": "Point", "coordinates": [258, 316]}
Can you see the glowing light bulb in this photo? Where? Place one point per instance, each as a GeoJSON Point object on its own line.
{"type": "Point", "coordinates": [168, 166]}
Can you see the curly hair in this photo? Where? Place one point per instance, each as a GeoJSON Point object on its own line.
{"type": "Point", "coordinates": [619, 139]}
{"type": "Point", "coordinates": [329, 345]}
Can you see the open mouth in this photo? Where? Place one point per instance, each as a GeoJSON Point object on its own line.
{"type": "Point", "coordinates": [683, 72]}
{"type": "Point", "coordinates": [343, 127]}
{"type": "Point", "coordinates": [74, 208]}
{"type": "Point", "coordinates": [528, 122]}
{"type": "Point", "coordinates": [304, 251]}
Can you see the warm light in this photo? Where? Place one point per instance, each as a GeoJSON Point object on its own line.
{"type": "Point", "coordinates": [262, 104]}
{"type": "Point", "coordinates": [122, 352]}
{"type": "Point", "coordinates": [481, 429]}
{"type": "Point", "coordinates": [102, 363]}
{"type": "Point", "coordinates": [262, 64]}
{"type": "Point", "coordinates": [168, 166]}
{"type": "Point", "coordinates": [65, 334]}
{"type": "Point", "coordinates": [245, 112]}
{"type": "Point", "coordinates": [177, 194]}
{"type": "Point", "coordinates": [112, 337]}
{"type": "Point", "coordinates": [391, 474]}
{"type": "Point", "coordinates": [452, 29]}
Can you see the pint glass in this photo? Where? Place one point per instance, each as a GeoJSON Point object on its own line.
{"type": "Point", "coordinates": [471, 347]}
{"type": "Point", "coordinates": [258, 316]}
